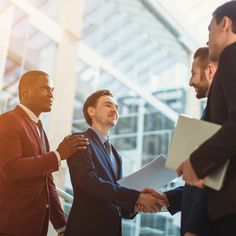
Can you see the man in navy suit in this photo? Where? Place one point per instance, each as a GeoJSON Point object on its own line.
{"type": "Point", "coordinates": [221, 109]}
{"type": "Point", "coordinates": [190, 200]}
{"type": "Point", "coordinates": [99, 202]}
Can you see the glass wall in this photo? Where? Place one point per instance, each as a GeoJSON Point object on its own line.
{"type": "Point", "coordinates": [145, 66]}
{"type": "Point", "coordinates": [140, 135]}
{"type": "Point", "coordinates": [131, 47]}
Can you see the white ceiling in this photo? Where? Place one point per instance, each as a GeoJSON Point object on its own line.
{"type": "Point", "coordinates": [192, 15]}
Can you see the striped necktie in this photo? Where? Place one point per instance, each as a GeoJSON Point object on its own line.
{"type": "Point", "coordinates": [42, 136]}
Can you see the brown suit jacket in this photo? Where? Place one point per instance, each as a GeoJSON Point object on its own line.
{"type": "Point", "coordinates": [26, 182]}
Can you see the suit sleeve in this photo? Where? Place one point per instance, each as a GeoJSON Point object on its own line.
{"type": "Point", "coordinates": [221, 146]}
{"type": "Point", "coordinates": [14, 164]}
{"type": "Point", "coordinates": [128, 214]}
{"type": "Point", "coordinates": [175, 198]}
{"type": "Point", "coordinates": [198, 220]}
{"type": "Point", "coordinates": [84, 177]}
{"type": "Point", "coordinates": [57, 216]}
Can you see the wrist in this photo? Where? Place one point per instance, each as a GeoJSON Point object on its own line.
{"type": "Point", "coordinates": [165, 199]}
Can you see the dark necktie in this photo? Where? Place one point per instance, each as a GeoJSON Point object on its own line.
{"type": "Point", "coordinates": [42, 136]}
{"type": "Point", "coordinates": [108, 147]}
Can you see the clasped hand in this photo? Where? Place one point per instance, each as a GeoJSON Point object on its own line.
{"type": "Point", "coordinates": [150, 201]}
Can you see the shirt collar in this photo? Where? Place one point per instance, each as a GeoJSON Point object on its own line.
{"type": "Point", "coordinates": [31, 115]}
{"type": "Point", "coordinates": [103, 137]}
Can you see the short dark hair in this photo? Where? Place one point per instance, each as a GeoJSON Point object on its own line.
{"type": "Point", "coordinates": [91, 101]}
{"type": "Point", "coordinates": [227, 9]}
{"type": "Point", "coordinates": [203, 55]}
{"type": "Point", "coordinates": [28, 78]}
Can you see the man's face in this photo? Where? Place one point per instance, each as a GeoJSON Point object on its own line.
{"type": "Point", "coordinates": [199, 80]}
{"type": "Point", "coordinates": [105, 114]}
{"type": "Point", "coordinates": [217, 38]}
{"type": "Point", "coordinates": [39, 96]}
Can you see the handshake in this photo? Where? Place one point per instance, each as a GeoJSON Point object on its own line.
{"type": "Point", "coordinates": [150, 201]}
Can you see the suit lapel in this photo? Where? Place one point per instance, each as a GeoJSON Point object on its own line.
{"type": "Point", "coordinates": [30, 124]}
{"type": "Point", "coordinates": [106, 159]}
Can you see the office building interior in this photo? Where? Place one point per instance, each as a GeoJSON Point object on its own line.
{"type": "Point", "coordinates": [141, 50]}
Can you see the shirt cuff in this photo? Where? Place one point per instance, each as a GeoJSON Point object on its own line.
{"type": "Point", "coordinates": [61, 229]}
{"type": "Point", "coordinates": [58, 158]}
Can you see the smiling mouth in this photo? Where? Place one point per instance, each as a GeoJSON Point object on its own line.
{"type": "Point", "coordinates": [114, 117]}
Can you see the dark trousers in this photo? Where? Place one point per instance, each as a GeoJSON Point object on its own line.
{"type": "Point", "coordinates": [225, 226]}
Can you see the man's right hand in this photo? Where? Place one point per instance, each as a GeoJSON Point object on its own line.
{"type": "Point", "coordinates": [71, 144]}
{"type": "Point", "coordinates": [150, 201]}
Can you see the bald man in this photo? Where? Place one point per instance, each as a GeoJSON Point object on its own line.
{"type": "Point", "coordinates": [28, 196]}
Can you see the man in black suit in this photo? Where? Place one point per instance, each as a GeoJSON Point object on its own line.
{"type": "Point", "coordinates": [221, 109]}
{"type": "Point", "coordinates": [190, 200]}
{"type": "Point", "coordinates": [99, 202]}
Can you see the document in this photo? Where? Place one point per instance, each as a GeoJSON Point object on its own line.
{"type": "Point", "coordinates": [189, 134]}
{"type": "Point", "coordinates": [154, 175]}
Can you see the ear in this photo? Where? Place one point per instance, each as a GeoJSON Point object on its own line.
{"type": "Point", "coordinates": [211, 69]}
{"type": "Point", "coordinates": [226, 23]}
{"type": "Point", "coordinates": [24, 93]}
{"type": "Point", "coordinates": [90, 111]}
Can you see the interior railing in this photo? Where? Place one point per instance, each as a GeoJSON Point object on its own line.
{"type": "Point", "coordinates": [64, 195]}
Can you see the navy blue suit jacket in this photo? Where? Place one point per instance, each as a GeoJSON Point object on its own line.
{"type": "Point", "coordinates": [192, 203]}
{"type": "Point", "coordinates": [99, 202]}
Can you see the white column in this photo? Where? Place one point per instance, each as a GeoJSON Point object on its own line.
{"type": "Point", "coordinates": [5, 29]}
{"type": "Point", "coordinates": [65, 71]}
{"type": "Point", "coordinates": [64, 76]}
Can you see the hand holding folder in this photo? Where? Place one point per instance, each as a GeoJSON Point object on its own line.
{"type": "Point", "coordinates": [188, 136]}
{"type": "Point", "coordinates": [189, 176]}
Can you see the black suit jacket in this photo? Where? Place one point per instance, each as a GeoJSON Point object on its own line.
{"type": "Point", "coordinates": [221, 109]}
{"type": "Point", "coordinates": [99, 202]}
{"type": "Point", "coordinates": [192, 203]}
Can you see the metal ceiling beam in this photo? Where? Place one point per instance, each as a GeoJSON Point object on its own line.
{"type": "Point", "coordinates": [90, 56]}
{"type": "Point", "coordinates": [43, 23]}
{"type": "Point", "coordinates": [161, 14]}
{"type": "Point", "coordinates": [39, 20]}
